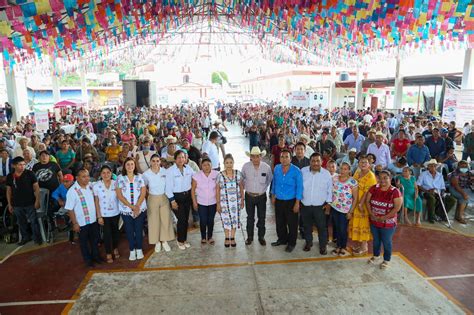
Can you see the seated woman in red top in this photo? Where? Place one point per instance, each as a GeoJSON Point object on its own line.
{"type": "Point", "coordinates": [400, 145]}
{"type": "Point", "coordinates": [383, 201]}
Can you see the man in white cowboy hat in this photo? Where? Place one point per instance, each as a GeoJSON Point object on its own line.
{"type": "Point", "coordinates": [257, 178]}
{"type": "Point", "coordinates": [380, 150]}
{"type": "Point", "coordinates": [430, 183]}
{"type": "Point", "coordinates": [168, 140]}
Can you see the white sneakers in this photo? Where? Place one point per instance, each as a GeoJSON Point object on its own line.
{"type": "Point", "coordinates": [166, 247]}
{"type": "Point", "coordinates": [181, 246]}
{"type": "Point", "coordinates": [187, 245]}
{"type": "Point", "coordinates": [158, 247]}
{"type": "Point", "coordinates": [136, 254]}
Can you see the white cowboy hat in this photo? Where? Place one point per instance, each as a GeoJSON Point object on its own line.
{"type": "Point", "coordinates": [305, 137]}
{"type": "Point", "coordinates": [170, 137]}
{"type": "Point", "coordinates": [352, 150]}
{"type": "Point", "coordinates": [379, 133]}
{"type": "Point", "coordinates": [256, 151]}
{"type": "Point", "coordinates": [430, 162]}
{"type": "Point", "coordinates": [218, 122]}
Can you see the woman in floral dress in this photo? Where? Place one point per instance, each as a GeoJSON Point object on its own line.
{"type": "Point", "coordinates": [230, 199]}
{"type": "Point", "coordinates": [345, 194]}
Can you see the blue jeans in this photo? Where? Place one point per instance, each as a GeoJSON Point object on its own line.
{"type": "Point", "coordinates": [206, 216]}
{"type": "Point", "coordinates": [340, 226]}
{"type": "Point", "coordinates": [134, 230]}
{"type": "Point", "coordinates": [383, 236]}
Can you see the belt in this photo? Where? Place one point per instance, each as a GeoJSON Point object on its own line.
{"type": "Point", "coordinates": [184, 193]}
{"type": "Point", "coordinates": [254, 194]}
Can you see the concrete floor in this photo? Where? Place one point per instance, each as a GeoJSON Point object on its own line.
{"type": "Point", "coordinates": [340, 286]}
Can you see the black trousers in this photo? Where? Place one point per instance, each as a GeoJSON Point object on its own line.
{"type": "Point", "coordinates": [259, 202]}
{"type": "Point", "coordinates": [184, 202]}
{"type": "Point", "coordinates": [314, 215]}
{"type": "Point", "coordinates": [89, 239]}
{"type": "Point", "coordinates": [286, 221]}
{"type": "Point", "coordinates": [111, 233]}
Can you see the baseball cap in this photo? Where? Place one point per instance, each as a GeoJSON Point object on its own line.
{"type": "Point", "coordinates": [68, 177]}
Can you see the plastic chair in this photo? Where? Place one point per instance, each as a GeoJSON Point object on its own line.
{"type": "Point", "coordinates": [42, 212]}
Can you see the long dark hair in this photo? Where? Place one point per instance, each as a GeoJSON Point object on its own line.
{"type": "Point", "coordinates": [124, 170]}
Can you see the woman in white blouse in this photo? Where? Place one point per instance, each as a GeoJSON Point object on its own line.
{"type": "Point", "coordinates": [160, 223]}
{"type": "Point", "coordinates": [131, 192]}
{"type": "Point", "coordinates": [106, 203]}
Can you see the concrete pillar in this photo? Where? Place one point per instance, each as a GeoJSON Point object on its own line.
{"type": "Point", "coordinates": [468, 71]}
{"type": "Point", "coordinates": [397, 102]}
{"type": "Point", "coordinates": [359, 104]}
{"type": "Point", "coordinates": [84, 96]}
{"type": "Point", "coordinates": [56, 89]}
{"type": "Point", "coordinates": [332, 90]}
{"type": "Point", "coordinates": [17, 94]}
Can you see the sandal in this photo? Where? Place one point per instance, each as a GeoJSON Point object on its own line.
{"type": "Point", "coordinates": [461, 220]}
{"type": "Point", "coordinates": [359, 252]}
{"type": "Point", "coordinates": [109, 258]}
{"type": "Point", "coordinates": [116, 254]}
{"type": "Point", "coordinates": [233, 243]}
{"type": "Point", "coordinates": [335, 252]}
{"type": "Point", "coordinates": [384, 265]}
{"type": "Point", "coordinates": [210, 241]}
{"type": "Point", "coordinates": [373, 259]}
{"type": "Point", "coordinates": [226, 244]}
{"type": "Point", "coordinates": [343, 253]}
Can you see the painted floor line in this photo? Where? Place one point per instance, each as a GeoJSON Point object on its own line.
{"type": "Point", "coordinates": [451, 277]}
{"type": "Point", "coordinates": [11, 254]}
{"type": "Point", "coordinates": [36, 303]}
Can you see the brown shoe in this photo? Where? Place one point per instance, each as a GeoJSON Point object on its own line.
{"type": "Point", "coordinates": [262, 242]}
{"type": "Point", "coordinates": [248, 241]}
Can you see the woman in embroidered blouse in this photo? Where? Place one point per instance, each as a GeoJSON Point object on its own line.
{"type": "Point", "coordinates": [383, 201]}
{"type": "Point", "coordinates": [131, 192]}
{"type": "Point", "coordinates": [230, 199]}
{"type": "Point", "coordinates": [106, 203]}
{"type": "Point", "coordinates": [345, 195]}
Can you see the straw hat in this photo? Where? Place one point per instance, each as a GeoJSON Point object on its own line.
{"type": "Point", "coordinates": [305, 137]}
{"type": "Point", "coordinates": [379, 133]}
{"type": "Point", "coordinates": [170, 138]}
{"type": "Point", "coordinates": [256, 151]}
{"type": "Point", "coordinates": [431, 162]}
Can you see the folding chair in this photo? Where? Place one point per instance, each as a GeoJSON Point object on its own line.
{"type": "Point", "coordinates": [42, 213]}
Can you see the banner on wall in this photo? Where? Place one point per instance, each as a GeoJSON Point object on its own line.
{"type": "Point", "coordinates": [42, 121]}
{"type": "Point", "coordinates": [464, 107]}
{"type": "Point", "coordinates": [449, 104]}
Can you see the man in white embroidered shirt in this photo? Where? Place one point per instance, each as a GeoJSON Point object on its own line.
{"type": "Point", "coordinates": [380, 150]}
{"type": "Point", "coordinates": [317, 194]}
{"type": "Point", "coordinates": [81, 208]}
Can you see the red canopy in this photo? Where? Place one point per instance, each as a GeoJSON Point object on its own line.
{"type": "Point", "coordinates": [69, 103]}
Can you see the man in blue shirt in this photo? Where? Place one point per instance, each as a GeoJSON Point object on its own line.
{"type": "Point", "coordinates": [436, 144]}
{"type": "Point", "coordinates": [418, 154]}
{"type": "Point", "coordinates": [287, 191]}
{"type": "Point", "coordinates": [354, 140]}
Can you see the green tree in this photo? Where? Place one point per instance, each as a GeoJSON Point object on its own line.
{"type": "Point", "coordinates": [216, 78]}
